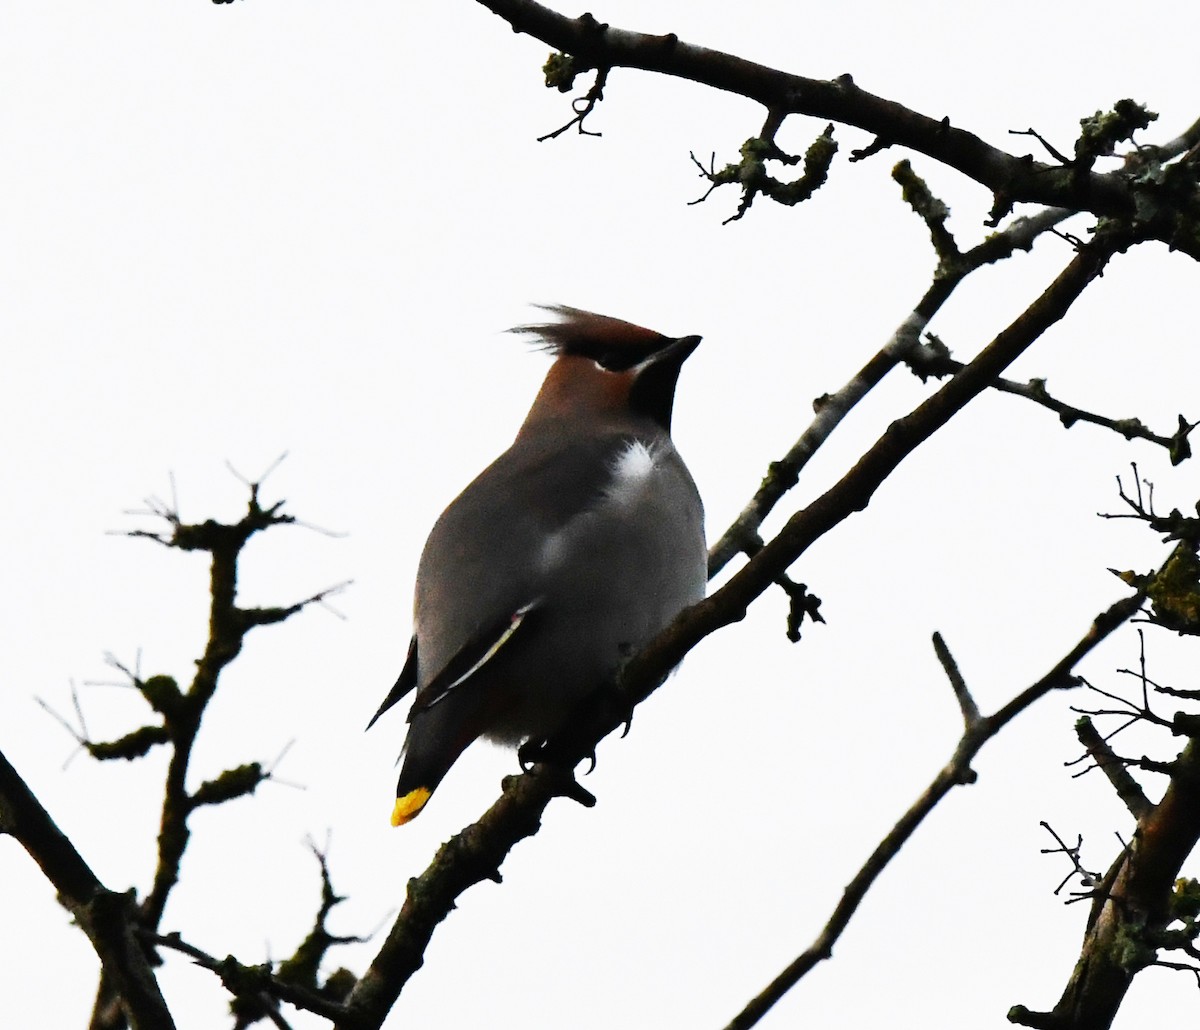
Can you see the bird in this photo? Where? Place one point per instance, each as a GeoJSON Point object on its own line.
{"type": "Point", "coordinates": [575, 547]}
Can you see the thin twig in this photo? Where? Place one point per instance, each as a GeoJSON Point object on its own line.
{"type": "Point", "coordinates": [256, 982]}
{"type": "Point", "coordinates": [966, 703]}
{"type": "Point", "coordinates": [1086, 878]}
{"type": "Point", "coordinates": [927, 362]}
{"type": "Point", "coordinates": [957, 771]}
{"type": "Point", "coordinates": [583, 106]}
{"type": "Point", "coordinates": [831, 409]}
{"type": "Point", "coordinates": [183, 710]}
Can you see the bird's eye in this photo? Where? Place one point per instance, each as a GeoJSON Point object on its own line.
{"type": "Point", "coordinates": [618, 359]}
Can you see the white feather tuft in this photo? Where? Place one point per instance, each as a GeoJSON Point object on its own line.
{"type": "Point", "coordinates": [631, 470]}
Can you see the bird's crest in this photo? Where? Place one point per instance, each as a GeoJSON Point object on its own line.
{"type": "Point", "coordinates": [615, 344]}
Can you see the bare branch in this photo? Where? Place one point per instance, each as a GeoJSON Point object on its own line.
{"type": "Point", "coordinates": [582, 106]}
{"type": "Point", "coordinates": [471, 856]}
{"type": "Point", "coordinates": [966, 703]}
{"type": "Point", "coordinates": [1128, 918]}
{"type": "Point", "coordinates": [183, 711]}
{"type": "Point", "coordinates": [106, 917]}
{"type": "Point", "coordinates": [957, 771]}
{"type": "Point", "coordinates": [1087, 879]}
{"type": "Point", "coordinates": [932, 211]}
{"type": "Point", "coordinates": [256, 984]}
{"type": "Point", "coordinates": [1127, 788]}
{"type": "Point", "coordinates": [742, 536]}
{"type": "Point", "coordinates": [1185, 141]}
{"type": "Point", "coordinates": [937, 362]}
{"type": "Point", "coordinates": [1015, 178]}
{"type": "Point", "coordinates": [258, 990]}
{"type": "Point", "coordinates": [853, 492]}
{"type": "Point", "coordinates": [476, 853]}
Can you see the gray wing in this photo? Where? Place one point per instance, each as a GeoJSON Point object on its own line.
{"type": "Point", "coordinates": [482, 572]}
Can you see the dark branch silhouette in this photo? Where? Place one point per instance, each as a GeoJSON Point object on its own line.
{"type": "Point", "coordinates": [957, 772]}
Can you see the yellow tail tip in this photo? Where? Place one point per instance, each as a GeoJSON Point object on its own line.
{"type": "Point", "coordinates": [409, 806]}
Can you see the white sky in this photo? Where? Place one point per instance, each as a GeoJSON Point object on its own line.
{"type": "Point", "coordinates": [230, 232]}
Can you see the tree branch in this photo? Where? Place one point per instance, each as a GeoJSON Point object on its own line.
{"type": "Point", "coordinates": [471, 856]}
{"type": "Point", "coordinates": [853, 492]}
{"type": "Point", "coordinates": [742, 536]}
{"type": "Point", "coordinates": [253, 986]}
{"type": "Point", "coordinates": [106, 917]}
{"type": "Point", "coordinates": [1016, 179]}
{"type": "Point", "coordinates": [1127, 788]}
{"type": "Point", "coordinates": [930, 361]}
{"type": "Point", "coordinates": [228, 627]}
{"type": "Point", "coordinates": [477, 852]}
{"type": "Point", "coordinates": [1128, 918]}
{"type": "Point", "coordinates": [182, 711]}
{"type": "Point", "coordinates": [979, 730]}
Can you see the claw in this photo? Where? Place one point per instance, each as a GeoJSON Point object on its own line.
{"type": "Point", "coordinates": [530, 753]}
{"type": "Point", "coordinates": [621, 708]}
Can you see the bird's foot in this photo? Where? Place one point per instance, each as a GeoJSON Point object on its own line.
{"type": "Point", "coordinates": [534, 750]}
{"type": "Point", "coordinates": [540, 749]}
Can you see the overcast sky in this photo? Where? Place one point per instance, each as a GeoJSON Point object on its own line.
{"type": "Point", "coordinates": [230, 232]}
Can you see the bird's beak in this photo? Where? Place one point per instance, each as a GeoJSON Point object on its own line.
{"type": "Point", "coordinates": [653, 389]}
{"type": "Point", "coordinates": [674, 353]}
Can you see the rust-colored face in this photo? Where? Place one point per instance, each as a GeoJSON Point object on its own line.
{"type": "Point", "coordinates": [578, 387]}
{"type": "Point", "coordinates": [606, 367]}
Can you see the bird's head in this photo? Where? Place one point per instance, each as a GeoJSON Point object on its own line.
{"type": "Point", "coordinates": [606, 366]}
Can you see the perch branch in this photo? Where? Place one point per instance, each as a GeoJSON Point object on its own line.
{"type": "Point", "coordinates": [477, 852]}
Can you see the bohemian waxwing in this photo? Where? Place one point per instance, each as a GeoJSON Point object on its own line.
{"type": "Point", "coordinates": [564, 556]}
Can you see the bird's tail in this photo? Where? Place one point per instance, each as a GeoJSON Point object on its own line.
{"type": "Point", "coordinates": [436, 739]}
